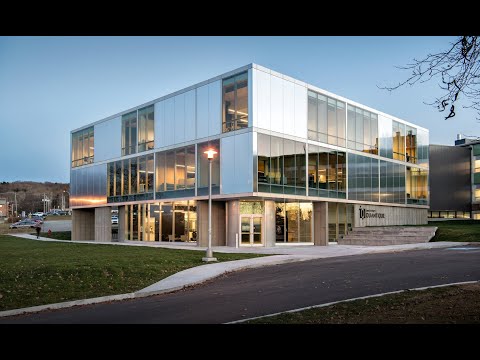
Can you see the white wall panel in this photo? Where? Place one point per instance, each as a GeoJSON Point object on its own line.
{"type": "Point", "coordinates": [190, 116]}
{"type": "Point", "coordinates": [227, 164]}
{"type": "Point", "coordinates": [108, 139]}
{"type": "Point", "coordinates": [243, 163]}
{"type": "Point", "coordinates": [289, 108]}
{"type": "Point", "coordinates": [215, 108]}
{"type": "Point", "coordinates": [300, 111]}
{"type": "Point", "coordinates": [276, 104]}
{"type": "Point", "coordinates": [263, 100]}
{"type": "Point", "coordinates": [202, 111]}
{"type": "Point", "coordinates": [159, 124]}
{"type": "Point", "coordinates": [179, 133]}
{"type": "Point", "coordinates": [169, 122]}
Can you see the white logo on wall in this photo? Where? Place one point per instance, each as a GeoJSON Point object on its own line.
{"type": "Point", "coordinates": [368, 214]}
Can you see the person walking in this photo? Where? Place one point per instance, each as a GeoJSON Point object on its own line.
{"type": "Point", "coordinates": [38, 227]}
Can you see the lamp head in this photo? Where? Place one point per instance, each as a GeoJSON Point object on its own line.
{"type": "Point", "coordinates": [210, 153]}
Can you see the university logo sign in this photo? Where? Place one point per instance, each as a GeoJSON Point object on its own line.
{"type": "Point", "coordinates": [367, 214]}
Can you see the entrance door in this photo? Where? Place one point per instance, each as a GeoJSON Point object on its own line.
{"type": "Point", "coordinates": [251, 230]}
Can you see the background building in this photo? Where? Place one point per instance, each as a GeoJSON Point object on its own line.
{"type": "Point", "coordinates": [295, 164]}
{"type": "Point", "coordinates": [455, 180]}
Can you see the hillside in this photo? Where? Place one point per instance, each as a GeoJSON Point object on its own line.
{"type": "Point", "coordinates": [30, 194]}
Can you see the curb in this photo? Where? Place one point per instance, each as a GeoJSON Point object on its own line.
{"type": "Point", "coordinates": [352, 299]}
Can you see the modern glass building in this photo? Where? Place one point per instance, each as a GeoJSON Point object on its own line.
{"type": "Point", "coordinates": [295, 164]}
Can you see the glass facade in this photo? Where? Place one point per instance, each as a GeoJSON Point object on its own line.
{"type": "Point", "coordinates": [83, 147]}
{"type": "Point", "coordinates": [235, 102]}
{"type": "Point", "coordinates": [281, 165]}
{"type": "Point", "coordinates": [411, 145]}
{"type": "Point", "coordinates": [362, 130]}
{"type": "Point", "coordinates": [422, 147]}
{"type": "Point", "coordinates": [398, 140]}
{"type": "Point", "coordinates": [202, 166]}
{"type": "Point", "coordinates": [392, 182]}
{"type": "Point", "coordinates": [363, 178]}
{"type": "Point", "coordinates": [130, 179]}
{"type": "Point", "coordinates": [129, 133]}
{"type": "Point", "coordinates": [175, 170]}
{"type": "Point", "coordinates": [417, 186]}
{"type": "Point", "coordinates": [170, 221]}
{"type": "Point", "coordinates": [146, 117]}
{"type": "Point", "coordinates": [326, 172]}
{"type": "Point", "coordinates": [326, 119]}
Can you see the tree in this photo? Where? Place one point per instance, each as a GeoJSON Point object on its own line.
{"type": "Point", "coordinates": [457, 70]}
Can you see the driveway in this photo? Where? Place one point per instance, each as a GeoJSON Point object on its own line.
{"type": "Point", "coordinates": [267, 290]}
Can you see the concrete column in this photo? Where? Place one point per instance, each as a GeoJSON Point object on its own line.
{"type": "Point", "coordinates": [320, 225]}
{"type": "Point", "coordinates": [103, 224]}
{"type": "Point", "coordinates": [269, 234]}
{"type": "Point", "coordinates": [122, 222]}
{"type": "Point", "coordinates": [233, 222]}
{"type": "Point", "coordinates": [83, 224]}
{"type": "Point", "coordinates": [218, 223]}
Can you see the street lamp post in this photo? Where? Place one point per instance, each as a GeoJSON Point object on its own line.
{"type": "Point", "coordinates": [63, 199]}
{"type": "Point", "coordinates": [209, 254]}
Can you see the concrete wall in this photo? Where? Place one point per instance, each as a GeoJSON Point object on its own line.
{"type": "Point", "coordinates": [103, 224]}
{"type": "Point", "coordinates": [233, 222]}
{"type": "Point", "coordinates": [83, 224]}
{"type": "Point", "coordinates": [269, 235]}
{"type": "Point", "coordinates": [388, 215]}
{"type": "Point", "coordinates": [121, 223]}
{"type": "Point", "coordinates": [218, 223]}
{"type": "Point", "coordinates": [320, 223]}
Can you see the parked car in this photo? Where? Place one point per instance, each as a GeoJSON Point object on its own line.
{"type": "Point", "coordinates": [24, 224]}
{"type": "Point", "coordinates": [39, 213]}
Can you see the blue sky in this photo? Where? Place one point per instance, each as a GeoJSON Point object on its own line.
{"type": "Point", "coordinates": [51, 85]}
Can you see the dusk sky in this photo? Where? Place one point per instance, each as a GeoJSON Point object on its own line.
{"type": "Point", "coordinates": [52, 85]}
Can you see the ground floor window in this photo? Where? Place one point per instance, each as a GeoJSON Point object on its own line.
{"type": "Point", "coordinates": [340, 220]}
{"type": "Point", "coordinates": [293, 222]}
{"type": "Point", "coordinates": [450, 215]}
{"type": "Point", "coordinates": [166, 221]}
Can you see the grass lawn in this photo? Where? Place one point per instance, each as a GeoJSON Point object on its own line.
{"type": "Point", "coordinates": [58, 235]}
{"type": "Point", "coordinates": [58, 217]}
{"type": "Point", "coordinates": [457, 230]}
{"type": "Point", "coordinates": [448, 305]}
{"type": "Point", "coordinates": [35, 273]}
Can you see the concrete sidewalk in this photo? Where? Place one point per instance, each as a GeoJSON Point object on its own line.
{"type": "Point", "coordinates": [202, 273]}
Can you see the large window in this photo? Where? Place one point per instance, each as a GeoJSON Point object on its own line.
{"type": "Point", "coordinates": [293, 222]}
{"type": "Point", "coordinates": [417, 186]}
{"type": "Point", "coordinates": [362, 178]}
{"type": "Point", "coordinates": [398, 137]}
{"type": "Point", "coordinates": [362, 130]}
{"type": "Point", "coordinates": [392, 182]}
{"type": "Point", "coordinates": [235, 102]}
{"type": "Point", "coordinates": [175, 171]}
{"type": "Point", "coordinates": [326, 119]}
{"type": "Point", "coordinates": [411, 145]}
{"type": "Point", "coordinates": [145, 128]}
{"type": "Point", "coordinates": [129, 133]}
{"type": "Point", "coordinates": [130, 179]}
{"type": "Point", "coordinates": [281, 165]}
{"type": "Point", "coordinates": [326, 172]}
{"type": "Point", "coordinates": [82, 147]}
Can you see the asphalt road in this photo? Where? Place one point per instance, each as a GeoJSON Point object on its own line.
{"type": "Point", "coordinates": [278, 288]}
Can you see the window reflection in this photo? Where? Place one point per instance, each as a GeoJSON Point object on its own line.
{"type": "Point", "coordinates": [362, 130]}
{"type": "Point", "coordinates": [146, 128]}
{"type": "Point", "coordinates": [326, 119]}
{"type": "Point", "coordinates": [235, 102]}
{"type": "Point", "coordinates": [83, 147]}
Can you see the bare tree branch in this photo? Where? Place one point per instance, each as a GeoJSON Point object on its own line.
{"type": "Point", "coordinates": [457, 71]}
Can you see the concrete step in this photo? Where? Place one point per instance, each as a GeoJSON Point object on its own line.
{"type": "Point", "coordinates": [369, 242]}
{"type": "Point", "coordinates": [397, 235]}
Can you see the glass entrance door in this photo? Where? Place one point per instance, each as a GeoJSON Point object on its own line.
{"type": "Point", "coordinates": [251, 229]}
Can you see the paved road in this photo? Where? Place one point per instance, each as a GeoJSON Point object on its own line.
{"type": "Point", "coordinates": [278, 288]}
